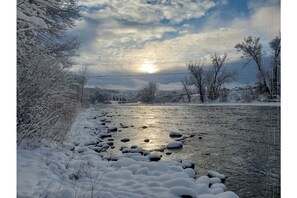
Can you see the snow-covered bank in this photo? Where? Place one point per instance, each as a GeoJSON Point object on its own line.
{"type": "Point", "coordinates": [270, 104]}
{"type": "Point", "coordinates": [82, 167]}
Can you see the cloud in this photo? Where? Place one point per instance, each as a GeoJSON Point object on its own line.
{"type": "Point", "coordinates": [130, 84]}
{"type": "Point", "coordinates": [267, 20]}
{"type": "Point", "coordinates": [119, 35]}
{"type": "Point", "coordinates": [148, 11]}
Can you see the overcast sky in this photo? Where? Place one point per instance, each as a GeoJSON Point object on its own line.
{"type": "Point", "coordinates": [120, 37]}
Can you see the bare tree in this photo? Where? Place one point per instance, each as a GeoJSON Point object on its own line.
{"type": "Point", "coordinates": [275, 45]}
{"type": "Point", "coordinates": [82, 79]}
{"type": "Point", "coordinates": [197, 78]}
{"type": "Point", "coordinates": [186, 86]}
{"type": "Point", "coordinates": [251, 49]}
{"type": "Point", "coordinates": [218, 75]}
{"type": "Point", "coordinates": [147, 94]}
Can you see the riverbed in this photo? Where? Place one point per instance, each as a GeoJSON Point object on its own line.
{"type": "Point", "coordinates": [241, 141]}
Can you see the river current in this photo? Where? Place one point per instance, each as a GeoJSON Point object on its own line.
{"type": "Point", "coordinates": [240, 141]}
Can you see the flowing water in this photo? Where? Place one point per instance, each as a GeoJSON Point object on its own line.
{"type": "Point", "coordinates": [242, 142]}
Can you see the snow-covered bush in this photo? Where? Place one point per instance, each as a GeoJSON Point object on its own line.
{"type": "Point", "coordinates": [45, 100]}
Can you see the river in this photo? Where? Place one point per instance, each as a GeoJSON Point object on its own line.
{"type": "Point", "coordinates": [240, 141]}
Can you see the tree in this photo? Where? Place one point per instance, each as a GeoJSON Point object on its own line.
{"type": "Point", "coordinates": [147, 94]}
{"type": "Point", "coordinates": [251, 49]}
{"type": "Point", "coordinates": [45, 99]}
{"type": "Point", "coordinates": [98, 95]}
{"type": "Point", "coordinates": [197, 78]}
{"type": "Point", "coordinates": [218, 75]}
{"type": "Point", "coordinates": [275, 45]}
{"type": "Point", "coordinates": [82, 80]}
{"type": "Point", "coordinates": [186, 86]}
{"type": "Point", "coordinates": [210, 80]}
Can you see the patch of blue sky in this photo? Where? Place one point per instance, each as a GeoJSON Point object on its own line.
{"type": "Point", "coordinates": [234, 9]}
{"type": "Point", "coordinates": [94, 8]}
{"type": "Point", "coordinates": [224, 13]}
{"type": "Point", "coordinates": [169, 35]}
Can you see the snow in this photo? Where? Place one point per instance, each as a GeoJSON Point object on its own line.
{"type": "Point", "coordinates": [216, 190]}
{"type": "Point", "coordinates": [203, 180]}
{"type": "Point", "coordinates": [76, 169]}
{"type": "Point", "coordinates": [215, 180]}
{"type": "Point", "coordinates": [219, 185]}
{"type": "Point", "coordinates": [190, 172]}
{"type": "Point", "coordinates": [227, 194]}
{"type": "Point", "coordinates": [270, 104]}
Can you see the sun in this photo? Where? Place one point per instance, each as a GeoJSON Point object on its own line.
{"type": "Point", "coordinates": [148, 67]}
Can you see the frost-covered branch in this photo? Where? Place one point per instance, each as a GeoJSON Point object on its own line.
{"type": "Point", "coordinates": [45, 96]}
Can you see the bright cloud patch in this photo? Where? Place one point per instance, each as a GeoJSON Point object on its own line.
{"type": "Point", "coordinates": [120, 35]}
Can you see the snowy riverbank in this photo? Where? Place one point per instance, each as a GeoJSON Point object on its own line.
{"type": "Point", "coordinates": [82, 167]}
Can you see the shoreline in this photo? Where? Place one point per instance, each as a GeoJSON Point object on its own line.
{"type": "Point", "coordinates": [81, 166]}
{"type": "Point", "coordinates": [265, 104]}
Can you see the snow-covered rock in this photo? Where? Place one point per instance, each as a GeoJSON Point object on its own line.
{"type": "Point", "coordinates": [175, 145]}
{"type": "Point", "coordinates": [227, 194]}
{"type": "Point", "coordinates": [112, 129]}
{"type": "Point", "coordinates": [154, 157]}
{"type": "Point", "coordinates": [188, 164]}
{"type": "Point", "coordinates": [115, 157]}
{"type": "Point", "coordinates": [175, 134]}
{"type": "Point", "coordinates": [215, 180]}
{"type": "Point", "coordinates": [91, 142]}
{"type": "Point", "coordinates": [190, 172]}
{"type": "Point", "coordinates": [203, 180]}
{"type": "Point", "coordinates": [207, 196]}
{"type": "Point", "coordinates": [182, 191]}
{"type": "Point", "coordinates": [218, 185]}
{"type": "Point", "coordinates": [216, 190]}
{"type": "Point", "coordinates": [203, 189]}
{"type": "Point", "coordinates": [216, 174]}
{"type": "Point", "coordinates": [122, 147]}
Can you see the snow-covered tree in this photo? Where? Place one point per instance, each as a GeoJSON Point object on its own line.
{"type": "Point", "coordinates": [44, 95]}
{"type": "Point", "coordinates": [275, 45]}
{"type": "Point", "coordinates": [147, 93]}
{"type": "Point", "coordinates": [186, 87]}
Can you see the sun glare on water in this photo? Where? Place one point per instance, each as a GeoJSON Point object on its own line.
{"type": "Point", "coordinates": [148, 67]}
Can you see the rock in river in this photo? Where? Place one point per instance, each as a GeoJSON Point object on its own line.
{"type": "Point", "coordinates": [113, 129]}
{"type": "Point", "coordinates": [125, 140]}
{"type": "Point", "coordinates": [175, 145]}
{"type": "Point", "coordinates": [174, 134]}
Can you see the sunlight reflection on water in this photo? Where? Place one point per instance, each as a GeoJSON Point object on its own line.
{"type": "Point", "coordinates": [242, 142]}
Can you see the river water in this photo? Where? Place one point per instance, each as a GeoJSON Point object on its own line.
{"type": "Point", "coordinates": [242, 142]}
